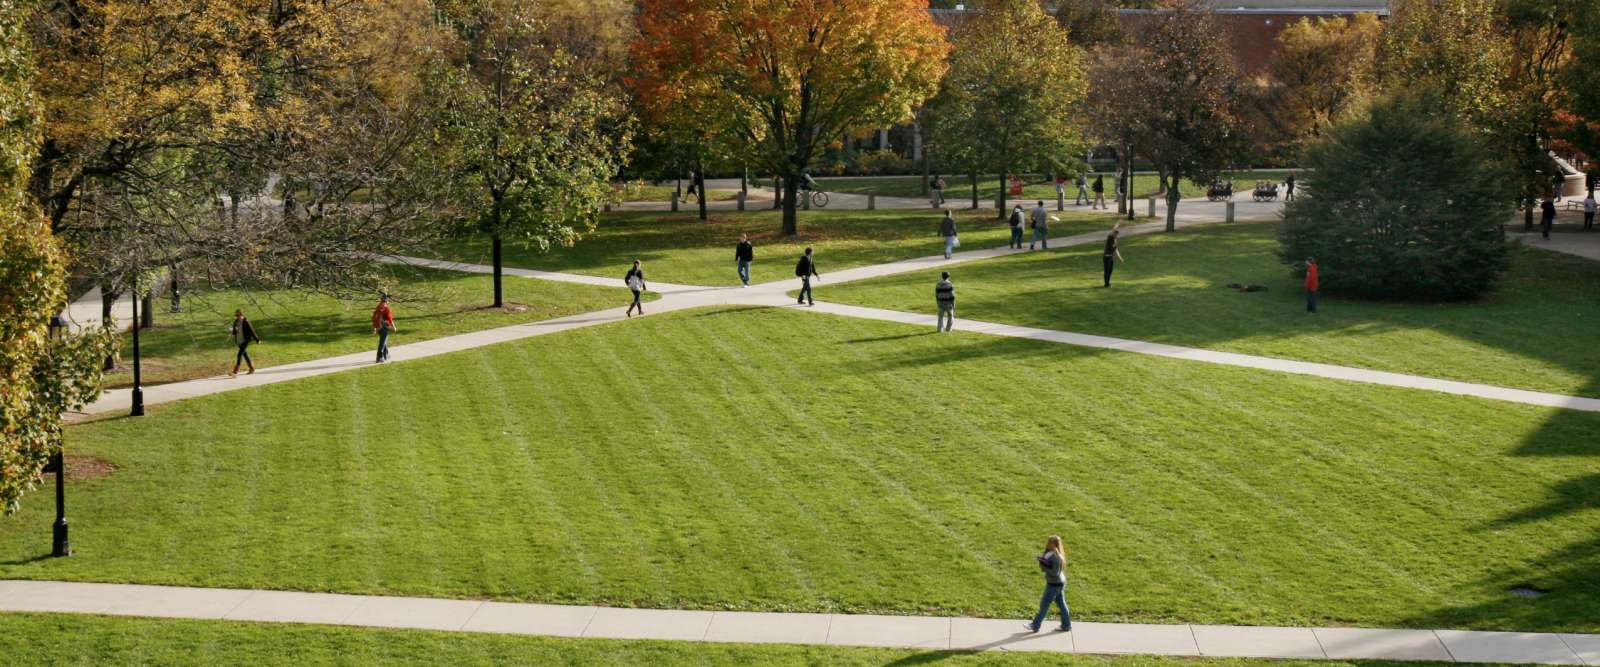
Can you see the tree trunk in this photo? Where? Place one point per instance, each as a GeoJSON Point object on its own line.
{"type": "Point", "coordinates": [177, 302]}
{"type": "Point", "coordinates": [108, 300]}
{"type": "Point", "coordinates": [791, 200]}
{"type": "Point", "coordinates": [1000, 200]}
{"type": "Point", "coordinates": [1172, 201]}
{"type": "Point", "coordinates": [499, 301]}
{"type": "Point", "coordinates": [974, 190]}
{"type": "Point", "coordinates": [1161, 180]}
{"type": "Point", "coordinates": [700, 186]}
{"type": "Point", "coordinates": [1527, 215]}
{"type": "Point", "coordinates": [147, 318]}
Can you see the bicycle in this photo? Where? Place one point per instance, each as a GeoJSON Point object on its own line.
{"type": "Point", "coordinates": [819, 198]}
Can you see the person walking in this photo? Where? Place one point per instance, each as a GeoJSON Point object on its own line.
{"type": "Point", "coordinates": [1099, 192]}
{"type": "Point", "coordinates": [944, 294]}
{"type": "Point", "coordinates": [938, 190]}
{"type": "Point", "coordinates": [635, 281]}
{"type": "Point", "coordinates": [1313, 283]}
{"type": "Point", "coordinates": [383, 325]}
{"type": "Point", "coordinates": [243, 335]}
{"type": "Point", "coordinates": [1588, 212]}
{"type": "Point", "coordinates": [1054, 564]}
{"type": "Point", "coordinates": [806, 269]}
{"type": "Point", "coordinates": [1548, 215]}
{"type": "Point", "coordinates": [947, 229]}
{"type": "Point", "coordinates": [743, 255]}
{"type": "Point", "coordinates": [1016, 219]}
{"type": "Point", "coordinates": [1288, 188]}
{"type": "Point", "coordinates": [1113, 253]}
{"type": "Point", "coordinates": [1083, 190]}
{"type": "Point", "coordinates": [1041, 227]}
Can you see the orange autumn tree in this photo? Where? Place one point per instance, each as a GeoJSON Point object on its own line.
{"type": "Point", "coordinates": [784, 79]}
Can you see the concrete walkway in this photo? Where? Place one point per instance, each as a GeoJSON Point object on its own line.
{"type": "Point", "coordinates": [774, 294]}
{"type": "Point", "coordinates": [916, 632]}
{"type": "Point", "coordinates": [1566, 238]}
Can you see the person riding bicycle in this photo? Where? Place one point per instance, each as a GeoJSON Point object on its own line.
{"type": "Point", "coordinates": [806, 182]}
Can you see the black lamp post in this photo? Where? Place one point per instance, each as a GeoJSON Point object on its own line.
{"type": "Point", "coordinates": [58, 465]}
{"type": "Point", "coordinates": [138, 391]}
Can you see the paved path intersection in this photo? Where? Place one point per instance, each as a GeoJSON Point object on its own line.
{"type": "Point", "coordinates": [919, 632]}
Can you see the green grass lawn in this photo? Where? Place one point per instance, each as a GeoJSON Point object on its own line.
{"type": "Point", "coordinates": [1534, 333]}
{"type": "Point", "coordinates": [679, 248]}
{"type": "Point", "coordinates": [770, 459]}
{"type": "Point", "coordinates": [298, 326]}
{"type": "Point", "coordinates": [66, 639]}
{"type": "Point", "coordinates": [1037, 186]}
{"type": "Point", "coordinates": [641, 191]}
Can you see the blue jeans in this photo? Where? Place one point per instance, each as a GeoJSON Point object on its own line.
{"type": "Point", "coordinates": [383, 343]}
{"type": "Point", "coordinates": [947, 317]}
{"type": "Point", "coordinates": [1056, 593]}
{"type": "Point", "coordinates": [1041, 235]}
{"type": "Point", "coordinates": [949, 246]}
{"type": "Point", "coordinates": [805, 290]}
{"type": "Point", "coordinates": [744, 272]}
{"type": "Point", "coordinates": [1016, 237]}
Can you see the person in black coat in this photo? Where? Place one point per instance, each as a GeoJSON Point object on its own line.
{"type": "Point", "coordinates": [743, 255]}
{"type": "Point", "coordinates": [635, 282]}
{"type": "Point", "coordinates": [806, 269]}
{"type": "Point", "coordinates": [1548, 215]}
{"type": "Point", "coordinates": [243, 335]}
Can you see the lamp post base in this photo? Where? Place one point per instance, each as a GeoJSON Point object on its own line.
{"type": "Point", "coordinates": [138, 402]}
{"type": "Point", "coordinates": [60, 546]}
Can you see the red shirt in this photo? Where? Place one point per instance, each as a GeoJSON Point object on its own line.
{"type": "Point", "coordinates": [1311, 277]}
{"type": "Point", "coordinates": [382, 316]}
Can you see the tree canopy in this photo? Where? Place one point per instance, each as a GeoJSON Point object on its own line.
{"type": "Point", "coordinates": [785, 79]}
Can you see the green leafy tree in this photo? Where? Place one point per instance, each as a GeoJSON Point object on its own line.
{"type": "Point", "coordinates": [39, 377]}
{"type": "Point", "coordinates": [1408, 205]}
{"type": "Point", "coordinates": [1454, 47]}
{"type": "Point", "coordinates": [1012, 93]}
{"type": "Point", "coordinates": [534, 136]}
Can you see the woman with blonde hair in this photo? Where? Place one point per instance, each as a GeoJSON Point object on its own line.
{"type": "Point", "coordinates": [1054, 563]}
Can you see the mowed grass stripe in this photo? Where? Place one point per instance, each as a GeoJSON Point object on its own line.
{"type": "Point", "coordinates": [798, 461]}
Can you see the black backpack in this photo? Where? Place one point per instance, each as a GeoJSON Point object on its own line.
{"type": "Point", "coordinates": [800, 268]}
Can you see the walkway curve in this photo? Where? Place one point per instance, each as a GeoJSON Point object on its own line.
{"type": "Point", "coordinates": [774, 294]}
{"type": "Point", "coordinates": [917, 632]}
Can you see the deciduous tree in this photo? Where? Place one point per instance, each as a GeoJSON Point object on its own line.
{"type": "Point", "coordinates": [787, 78]}
{"type": "Point", "coordinates": [1014, 89]}
{"type": "Point", "coordinates": [1321, 69]}
{"type": "Point", "coordinates": [535, 136]}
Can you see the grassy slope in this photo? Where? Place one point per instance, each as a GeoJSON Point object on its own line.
{"type": "Point", "coordinates": [678, 248]}
{"type": "Point", "coordinates": [1530, 334]}
{"type": "Point", "coordinates": [959, 187]}
{"type": "Point", "coordinates": [297, 326]}
{"type": "Point", "coordinates": [100, 640]}
{"type": "Point", "coordinates": [775, 460]}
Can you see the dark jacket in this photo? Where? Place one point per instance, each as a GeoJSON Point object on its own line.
{"type": "Point", "coordinates": [631, 273]}
{"type": "Point", "coordinates": [944, 292]}
{"type": "Point", "coordinates": [806, 268]}
{"type": "Point", "coordinates": [947, 227]}
{"type": "Point", "coordinates": [1100, 184]}
{"type": "Point", "coordinates": [242, 332]}
{"type": "Point", "coordinates": [745, 252]}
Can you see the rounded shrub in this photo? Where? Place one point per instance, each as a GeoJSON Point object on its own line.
{"type": "Point", "coordinates": [1404, 203]}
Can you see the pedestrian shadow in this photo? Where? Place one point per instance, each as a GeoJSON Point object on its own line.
{"type": "Point", "coordinates": [885, 339]}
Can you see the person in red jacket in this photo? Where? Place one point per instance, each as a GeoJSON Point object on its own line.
{"type": "Point", "coordinates": [1312, 285]}
{"type": "Point", "coordinates": [382, 324]}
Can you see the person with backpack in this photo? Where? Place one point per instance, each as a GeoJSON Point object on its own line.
{"type": "Point", "coordinates": [383, 324]}
{"type": "Point", "coordinates": [1054, 564]}
{"type": "Point", "coordinates": [743, 255]}
{"type": "Point", "coordinates": [1041, 227]}
{"type": "Point", "coordinates": [938, 190]}
{"type": "Point", "coordinates": [243, 335]}
{"type": "Point", "coordinates": [944, 295]}
{"type": "Point", "coordinates": [635, 282]}
{"type": "Point", "coordinates": [947, 230]}
{"type": "Point", "coordinates": [1313, 283]}
{"type": "Point", "coordinates": [1113, 252]}
{"type": "Point", "coordinates": [1099, 201]}
{"type": "Point", "coordinates": [1016, 219]}
{"type": "Point", "coordinates": [806, 269]}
